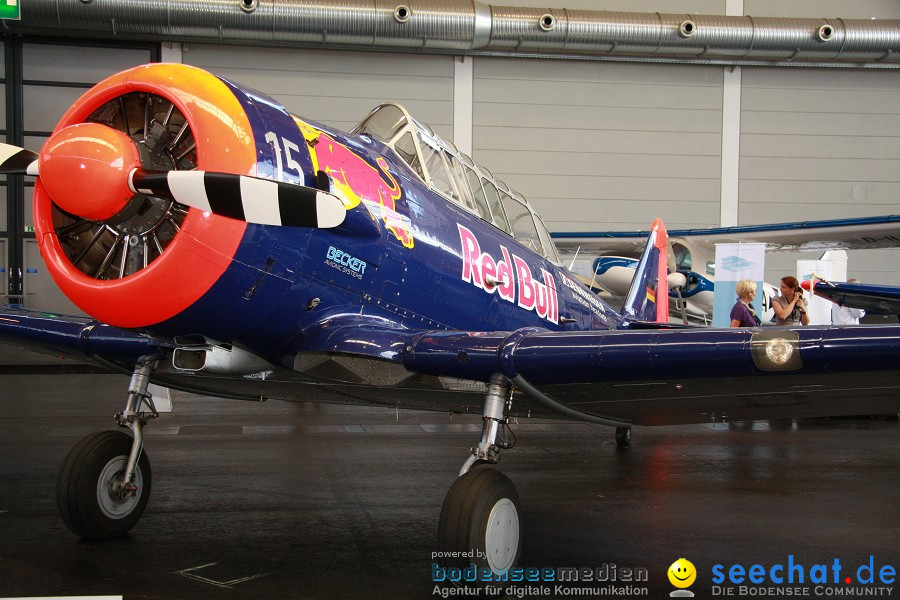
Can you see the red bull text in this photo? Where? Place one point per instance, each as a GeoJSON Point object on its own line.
{"type": "Point", "coordinates": [510, 277]}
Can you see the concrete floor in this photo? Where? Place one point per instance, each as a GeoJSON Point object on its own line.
{"type": "Point", "coordinates": [279, 500]}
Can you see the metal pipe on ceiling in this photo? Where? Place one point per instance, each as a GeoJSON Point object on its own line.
{"type": "Point", "coordinates": [471, 27]}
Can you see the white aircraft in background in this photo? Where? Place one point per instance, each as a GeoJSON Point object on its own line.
{"type": "Point", "coordinates": [606, 260]}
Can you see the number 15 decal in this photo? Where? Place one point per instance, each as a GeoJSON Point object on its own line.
{"type": "Point", "coordinates": [288, 159]}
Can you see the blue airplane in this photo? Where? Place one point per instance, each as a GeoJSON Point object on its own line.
{"type": "Point", "coordinates": [224, 246]}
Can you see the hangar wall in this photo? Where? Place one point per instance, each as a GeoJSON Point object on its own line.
{"type": "Point", "coordinates": [593, 145]}
{"type": "Point", "coordinates": [603, 145]}
{"type": "Point", "coordinates": [821, 144]}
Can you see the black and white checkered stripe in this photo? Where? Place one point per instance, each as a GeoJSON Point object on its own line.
{"type": "Point", "coordinates": [244, 198]}
{"type": "Point", "coordinates": [17, 160]}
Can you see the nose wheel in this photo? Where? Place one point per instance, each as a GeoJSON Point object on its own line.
{"type": "Point", "coordinates": [95, 500]}
{"type": "Point", "coordinates": [104, 483]}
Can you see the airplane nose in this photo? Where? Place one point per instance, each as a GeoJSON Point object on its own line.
{"type": "Point", "coordinates": [85, 168]}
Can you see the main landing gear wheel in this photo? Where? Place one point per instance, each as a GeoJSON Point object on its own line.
{"type": "Point", "coordinates": [481, 516]}
{"type": "Point", "coordinates": [623, 437]}
{"type": "Point", "coordinates": [94, 501]}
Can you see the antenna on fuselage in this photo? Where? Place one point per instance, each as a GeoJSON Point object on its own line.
{"type": "Point", "coordinates": [596, 270]}
{"type": "Point", "coordinates": [574, 258]}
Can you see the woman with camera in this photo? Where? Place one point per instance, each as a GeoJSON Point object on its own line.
{"type": "Point", "coordinates": [790, 307]}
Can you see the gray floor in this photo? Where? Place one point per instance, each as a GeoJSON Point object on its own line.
{"type": "Point", "coordinates": [279, 500]}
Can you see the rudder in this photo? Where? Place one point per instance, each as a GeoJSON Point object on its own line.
{"type": "Point", "coordinates": [648, 296]}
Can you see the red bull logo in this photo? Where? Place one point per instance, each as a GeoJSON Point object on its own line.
{"type": "Point", "coordinates": [509, 277]}
{"type": "Point", "coordinates": [359, 181]}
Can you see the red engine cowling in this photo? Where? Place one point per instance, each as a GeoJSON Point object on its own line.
{"type": "Point", "coordinates": [152, 258]}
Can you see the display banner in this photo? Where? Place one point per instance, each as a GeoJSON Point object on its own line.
{"type": "Point", "coordinates": [733, 263]}
{"type": "Point", "coordinates": [819, 308]}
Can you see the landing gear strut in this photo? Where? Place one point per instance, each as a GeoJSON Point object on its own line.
{"type": "Point", "coordinates": [480, 521]}
{"type": "Point", "coordinates": [104, 483]}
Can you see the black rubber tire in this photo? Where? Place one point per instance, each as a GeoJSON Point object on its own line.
{"type": "Point", "coordinates": [623, 437]}
{"type": "Point", "coordinates": [78, 481]}
{"type": "Point", "coordinates": [466, 513]}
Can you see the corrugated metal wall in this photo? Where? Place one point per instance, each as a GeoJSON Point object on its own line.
{"type": "Point", "coordinates": [815, 144]}
{"type": "Point", "coordinates": [603, 145]}
{"type": "Point", "coordinates": [850, 9]}
{"type": "Point", "coordinates": [820, 145]}
{"type": "Point", "coordinates": [611, 146]}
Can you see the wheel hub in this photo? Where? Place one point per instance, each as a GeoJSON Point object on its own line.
{"type": "Point", "coordinates": [117, 498]}
{"type": "Point", "coordinates": [502, 535]}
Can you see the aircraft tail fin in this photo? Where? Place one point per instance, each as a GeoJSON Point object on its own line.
{"type": "Point", "coordinates": [648, 297]}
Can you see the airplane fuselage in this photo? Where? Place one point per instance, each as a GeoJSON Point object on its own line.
{"type": "Point", "coordinates": [406, 256]}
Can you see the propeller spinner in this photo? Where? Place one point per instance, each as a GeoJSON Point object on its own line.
{"type": "Point", "coordinates": [89, 156]}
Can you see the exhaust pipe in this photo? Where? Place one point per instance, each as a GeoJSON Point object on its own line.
{"type": "Point", "coordinates": [219, 360]}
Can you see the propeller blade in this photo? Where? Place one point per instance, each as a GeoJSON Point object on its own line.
{"type": "Point", "coordinates": [240, 197]}
{"type": "Point", "coordinates": [244, 198]}
{"type": "Point", "coordinates": [17, 161]}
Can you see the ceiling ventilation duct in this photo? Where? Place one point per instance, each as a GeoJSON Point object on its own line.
{"type": "Point", "coordinates": [467, 27]}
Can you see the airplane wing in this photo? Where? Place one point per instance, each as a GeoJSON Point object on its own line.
{"type": "Point", "coordinates": [644, 375]}
{"type": "Point", "coordinates": [650, 377]}
{"type": "Point", "coordinates": [839, 234]}
{"type": "Point", "coordinates": [78, 338]}
{"type": "Point", "coordinates": [874, 299]}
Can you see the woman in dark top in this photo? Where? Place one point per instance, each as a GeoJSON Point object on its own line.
{"type": "Point", "coordinates": [743, 315]}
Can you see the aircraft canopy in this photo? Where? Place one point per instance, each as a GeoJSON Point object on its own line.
{"type": "Point", "coordinates": [454, 175]}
